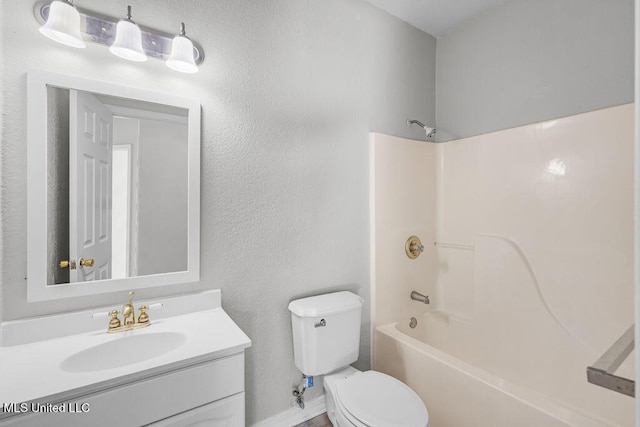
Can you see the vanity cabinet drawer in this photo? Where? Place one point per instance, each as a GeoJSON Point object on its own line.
{"type": "Point", "coordinates": [149, 400]}
{"type": "Point", "coordinates": [228, 412]}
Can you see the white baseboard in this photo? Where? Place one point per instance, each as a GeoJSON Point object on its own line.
{"type": "Point", "coordinates": [294, 416]}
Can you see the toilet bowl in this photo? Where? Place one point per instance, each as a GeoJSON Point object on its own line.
{"type": "Point", "coordinates": [370, 398]}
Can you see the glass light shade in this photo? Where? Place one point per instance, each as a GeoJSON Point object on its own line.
{"type": "Point", "coordinates": [63, 24]}
{"type": "Point", "coordinates": [128, 43]}
{"type": "Point", "coordinates": [181, 58]}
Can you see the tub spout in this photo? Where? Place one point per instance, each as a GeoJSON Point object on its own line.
{"type": "Point", "coordinates": [419, 297]}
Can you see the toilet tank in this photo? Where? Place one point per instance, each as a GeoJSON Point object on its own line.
{"type": "Point", "coordinates": [326, 331]}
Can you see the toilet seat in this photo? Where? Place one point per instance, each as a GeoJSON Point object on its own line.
{"type": "Point", "coordinates": [375, 399]}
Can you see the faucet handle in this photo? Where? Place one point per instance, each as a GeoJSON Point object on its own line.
{"type": "Point", "coordinates": [144, 317]}
{"type": "Point", "coordinates": [114, 322]}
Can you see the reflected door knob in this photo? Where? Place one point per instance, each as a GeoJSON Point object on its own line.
{"type": "Point", "coordinates": [68, 264]}
{"type": "Point", "coordinates": [86, 262]}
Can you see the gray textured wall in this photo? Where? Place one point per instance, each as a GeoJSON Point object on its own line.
{"type": "Point", "coordinates": [163, 172]}
{"type": "Point", "coordinates": [57, 184]}
{"type": "Point", "coordinates": [530, 61]}
{"type": "Point", "coordinates": [290, 90]}
{"type": "Point", "coordinates": [1, 160]}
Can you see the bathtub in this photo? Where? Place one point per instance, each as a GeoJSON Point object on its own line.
{"type": "Point", "coordinates": [464, 381]}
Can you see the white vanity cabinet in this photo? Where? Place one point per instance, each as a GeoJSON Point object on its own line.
{"type": "Point", "coordinates": [206, 394]}
{"type": "Point", "coordinates": [129, 379]}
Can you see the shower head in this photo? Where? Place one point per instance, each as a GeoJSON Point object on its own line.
{"type": "Point", "coordinates": [429, 131]}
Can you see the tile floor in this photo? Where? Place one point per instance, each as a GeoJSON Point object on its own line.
{"type": "Point", "coordinates": [319, 421]}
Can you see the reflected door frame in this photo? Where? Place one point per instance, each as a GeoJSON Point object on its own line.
{"type": "Point", "coordinates": [125, 175]}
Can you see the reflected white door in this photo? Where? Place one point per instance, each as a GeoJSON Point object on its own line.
{"type": "Point", "coordinates": [90, 163]}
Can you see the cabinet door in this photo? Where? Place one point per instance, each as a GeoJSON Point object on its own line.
{"type": "Point", "coordinates": [146, 401]}
{"type": "Point", "coordinates": [227, 412]}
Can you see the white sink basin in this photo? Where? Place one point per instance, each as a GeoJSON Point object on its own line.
{"type": "Point", "coordinates": [123, 351]}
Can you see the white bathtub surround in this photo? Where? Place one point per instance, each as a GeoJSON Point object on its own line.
{"type": "Point", "coordinates": [572, 225]}
{"type": "Point", "coordinates": [512, 344]}
{"type": "Point", "coordinates": [402, 200]}
{"type": "Point", "coordinates": [534, 276]}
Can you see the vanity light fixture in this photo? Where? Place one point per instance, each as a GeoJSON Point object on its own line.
{"type": "Point", "coordinates": [182, 53]}
{"type": "Point", "coordinates": [63, 24]}
{"type": "Point", "coordinates": [128, 43]}
{"type": "Point", "coordinates": [66, 23]}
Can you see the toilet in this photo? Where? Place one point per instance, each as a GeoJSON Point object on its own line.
{"type": "Point", "coordinates": [326, 340]}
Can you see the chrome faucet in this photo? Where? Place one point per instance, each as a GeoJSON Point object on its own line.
{"type": "Point", "coordinates": [419, 297]}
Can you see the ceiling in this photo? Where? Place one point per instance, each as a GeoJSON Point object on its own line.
{"type": "Point", "coordinates": [435, 17]}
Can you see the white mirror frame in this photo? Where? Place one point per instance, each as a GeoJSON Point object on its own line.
{"type": "Point", "coordinates": [37, 288]}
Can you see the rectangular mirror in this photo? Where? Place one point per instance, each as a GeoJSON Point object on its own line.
{"type": "Point", "coordinates": [113, 187]}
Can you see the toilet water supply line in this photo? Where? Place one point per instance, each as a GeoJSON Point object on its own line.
{"type": "Point", "coordinates": [298, 393]}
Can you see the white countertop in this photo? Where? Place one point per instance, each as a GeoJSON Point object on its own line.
{"type": "Point", "coordinates": [33, 371]}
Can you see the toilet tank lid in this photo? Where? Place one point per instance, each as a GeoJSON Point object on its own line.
{"type": "Point", "coordinates": [322, 305]}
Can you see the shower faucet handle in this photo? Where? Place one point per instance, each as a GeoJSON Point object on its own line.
{"type": "Point", "coordinates": [413, 247]}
